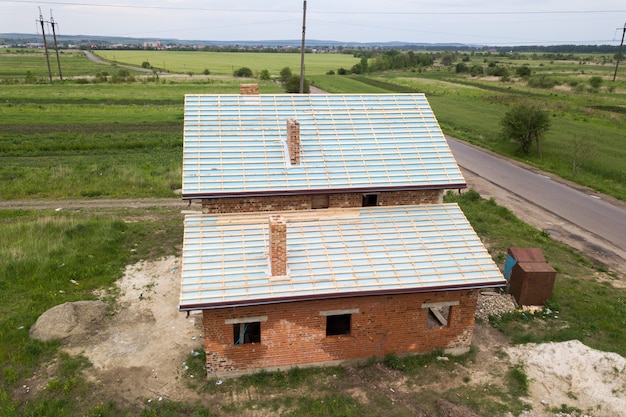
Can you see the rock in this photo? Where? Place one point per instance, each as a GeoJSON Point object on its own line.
{"type": "Point", "coordinates": [69, 322]}
{"type": "Point", "coordinates": [492, 303]}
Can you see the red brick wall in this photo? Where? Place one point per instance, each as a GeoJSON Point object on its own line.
{"type": "Point", "coordinates": [303, 202]}
{"type": "Point", "coordinates": [294, 334]}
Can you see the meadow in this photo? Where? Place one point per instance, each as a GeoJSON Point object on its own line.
{"type": "Point", "coordinates": [123, 139]}
{"type": "Point", "coordinates": [224, 63]}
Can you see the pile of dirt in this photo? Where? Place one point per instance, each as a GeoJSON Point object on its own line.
{"type": "Point", "coordinates": [574, 374]}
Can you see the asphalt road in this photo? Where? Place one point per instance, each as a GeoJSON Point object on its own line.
{"type": "Point", "coordinates": [579, 209]}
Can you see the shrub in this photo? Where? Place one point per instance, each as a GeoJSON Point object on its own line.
{"type": "Point", "coordinates": [461, 68]}
{"type": "Point", "coordinates": [243, 72]}
{"type": "Point", "coordinates": [523, 71]}
{"type": "Point", "coordinates": [293, 85]}
{"type": "Point", "coordinates": [595, 81]}
{"type": "Point", "coordinates": [541, 82]}
{"type": "Point", "coordinates": [477, 70]}
{"type": "Point", "coordinates": [265, 75]}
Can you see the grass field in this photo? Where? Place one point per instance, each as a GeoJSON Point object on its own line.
{"type": "Point", "coordinates": [224, 63]}
{"type": "Point", "coordinates": [70, 140]}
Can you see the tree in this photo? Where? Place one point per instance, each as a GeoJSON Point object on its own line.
{"type": "Point", "coordinates": [243, 72]}
{"type": "Point", "coordinates": [264, 75]}
{"type": "Point", "coordinates": [582, 151]}
{"type": "Point", "coordinates": [523, 124]}
{"type": "Point", "coordinates": [285, 74]}
{"type": "Point", "coordinates": [293, 85]}
{"type": "Point", "coordinates": [447, 59]}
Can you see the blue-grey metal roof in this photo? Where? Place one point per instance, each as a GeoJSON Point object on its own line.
{"type": "Point", "coordinates": [332, 253]}
{"type": "Point", "coordinates": [236, 144]}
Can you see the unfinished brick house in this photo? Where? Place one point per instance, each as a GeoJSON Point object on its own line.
{"type": "Point", "coordinates": [323, 237]}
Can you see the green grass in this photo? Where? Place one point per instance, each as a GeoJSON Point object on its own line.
{"type": "Point", "coordinates": [583, 308]}
{"type": "Point", "coordinates": [224, 63]}
{"type": "Point", "coordinates": [42, 256]}
{"type": "Point", "coordinates": [16, 63]}
{"type": "Point", "coordinates": [472, 110]}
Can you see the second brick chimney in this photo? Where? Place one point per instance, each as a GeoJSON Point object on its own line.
{"type": "Point", "coordinates": [293, 141]}
{"type": "Point", "coordinates": [278, 246]}
{"type": "Point", "coordinates": [249, 89]}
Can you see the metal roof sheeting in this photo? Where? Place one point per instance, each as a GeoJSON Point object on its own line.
{"type": "Point", "coordinates": [332, 253]}
{"type": "Point", "coordinates": [236, 144]}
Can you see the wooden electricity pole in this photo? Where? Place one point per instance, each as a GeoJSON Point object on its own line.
{"type": "Point", "coordinates": [45, 43]}
{"type": "Point", "coordinates": [619, 54]}
{"type": "Point", "coordinates": [302, 50]}
{"type": "Point", "coordinates": [56, 46]}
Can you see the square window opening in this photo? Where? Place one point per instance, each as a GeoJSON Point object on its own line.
{"type": "Point", "coordinates": [438, 317]}
{"type": "Point", "coordinates": [370, 200]}
{"type": "Point", "coordinates": [245, 333]}
{"type": "Point", "coordinates": [338, 325]}
{"type": "Point", "coordinates": [320, 201]}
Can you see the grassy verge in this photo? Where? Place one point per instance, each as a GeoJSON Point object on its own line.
{"type": "Point", "coordinates": [585, 305]}
{"type": "Point", "coordinates": [48, 258]}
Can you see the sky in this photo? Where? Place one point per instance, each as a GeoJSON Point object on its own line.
{"type": "Point", "coordinates": [508, 22]}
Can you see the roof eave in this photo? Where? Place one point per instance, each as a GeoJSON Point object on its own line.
{"type": "Point", "coordinates": [240, 194]}
{"type": "Point", "coordinates": [312, 297]}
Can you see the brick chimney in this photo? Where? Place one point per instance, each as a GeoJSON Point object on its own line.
{"type": "Point", "coordinates": [293, 141]}
{"type": "Point", "coordinates": [278, 245]}
{"type": "Point", "coordinates": [249, 89]}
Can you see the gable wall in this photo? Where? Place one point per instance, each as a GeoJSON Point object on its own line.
{"type": "Point", "coordinates": [294, 333]}
{"type": "Point", "coordinates": [303, 202]}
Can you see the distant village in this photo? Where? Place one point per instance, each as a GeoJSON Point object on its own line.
{"type": "Point", "coordinates": [34, 41]}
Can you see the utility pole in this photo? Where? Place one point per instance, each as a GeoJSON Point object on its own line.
{"type": "Point", "coordinates": [302, 49]}
{"type": "Point", "coordinates": [45, 44]}
{"type": "Point", "coordinates": [619, 54]}
{"type": "Point", "coordinates": [56, 47]}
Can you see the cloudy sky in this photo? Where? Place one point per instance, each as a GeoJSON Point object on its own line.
{"type": "Point", "coordinates": [512, 22]}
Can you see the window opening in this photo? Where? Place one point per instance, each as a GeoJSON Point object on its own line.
{"type": "Point", "coordinates": [370, 200]}
{"type": "Point", "coordinates": [438, 317]}
{"type": "Point", "coordinates": [320, 201]}
{"type": "Point", "coordinates": [244, 333]}
{"type": "Point", "coordinates": [338, 325]}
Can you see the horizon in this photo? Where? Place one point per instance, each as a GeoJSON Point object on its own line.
{"type": "Point", "coordinates": [366, 21]}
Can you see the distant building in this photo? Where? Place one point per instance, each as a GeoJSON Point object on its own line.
{"type": "Point", "coordinates": [152, 45]}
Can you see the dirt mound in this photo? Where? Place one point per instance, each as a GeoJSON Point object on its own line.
{"type": "Point", "coordinates": [576, 375]}
{"type": "Point", "coordinates": [70, 322]}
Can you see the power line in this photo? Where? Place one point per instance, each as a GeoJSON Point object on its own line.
{"type": "Point", "coordinates": [350, 12]}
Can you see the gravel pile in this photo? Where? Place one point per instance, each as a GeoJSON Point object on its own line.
{"type": "Point", "coordinates": [493, 303]}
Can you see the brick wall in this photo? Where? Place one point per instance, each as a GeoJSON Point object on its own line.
{"type": "Point", "coordinates": [303, 202]}
{"type": "Point", "coordinates": [294, 334]}
{"type": "Point", "coordinates": [293, 141]}
{"type": "Point", "coordinates": [249, 89]}
{"type": "Point", "coordinates": [278, 245]}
